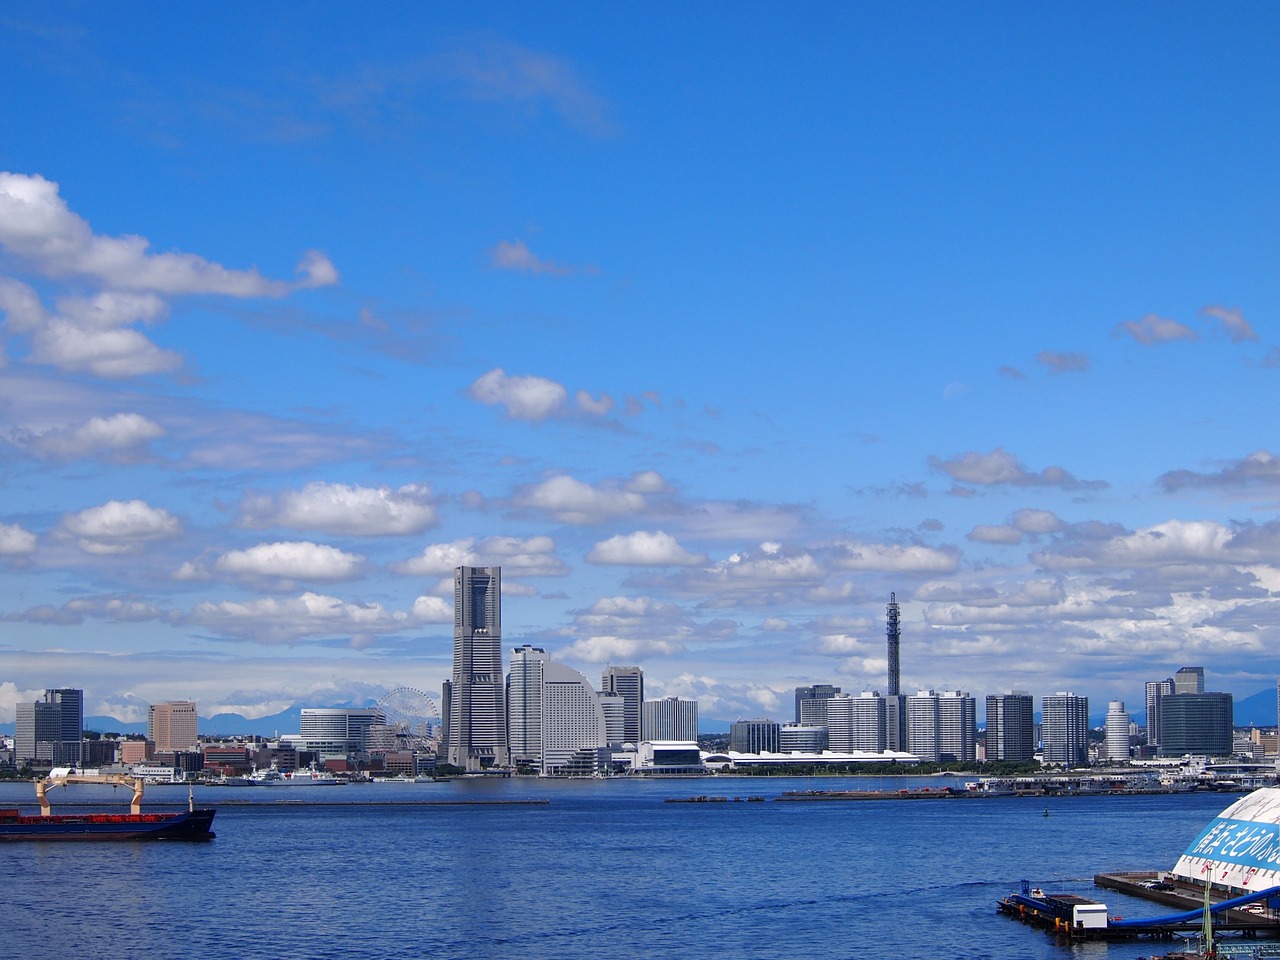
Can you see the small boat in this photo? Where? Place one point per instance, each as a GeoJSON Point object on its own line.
{"type": "Point", "coordinates": [135, 825]}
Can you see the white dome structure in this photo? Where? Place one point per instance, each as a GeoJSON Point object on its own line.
{"type": "Point", "coordinates": [1240, 848]}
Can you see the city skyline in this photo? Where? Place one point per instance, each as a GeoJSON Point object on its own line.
{"type": "Point", "coordinates": [713, 355]}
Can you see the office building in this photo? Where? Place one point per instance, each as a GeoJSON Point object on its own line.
{"type": "Point", "coordinates": [1189, 680]}
{"type": "Point", "coordinates": [1196, 723]}
{"type": "Point", "coordinates": [628, 683]}
{"type": "Point", "coordinates": [524, 706]}
{"type": "Point", "coordinates": [671, 719]}
{"type": "Point", "coordinates": [1155, 691]}
{"type": "Point", "coordinates": [754, 736]}
{"type": "Point", "coordinates": [340, 732]}
{"type": "Point", "coordinates": [52, 730]}
{"type": "Point", "coordinates": [856, 724]}
{"type": "Point", "coordinates": [1064, 729]}
{"type": "Point", "coordinates": [1011, 731]}
{"type": "Point", "coordinates": [171, 726]}
{"type": "Point", "coordinates": [1117, 731]}
{"type": "Point", "coordinates": [557, 721]}
{"type": "Point", "coordinates": [614, 707]}
{"type": "Point", "coordinates": [811, 702]}
{"type": "Point", "coordinates": [477, 735]}
{"type": "Point", "coordinates": [801, 738]}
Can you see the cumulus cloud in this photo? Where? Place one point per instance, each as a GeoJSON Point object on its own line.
{"type": "Point", "coordinates": [123, 437]}
{"type": "Point", "coordinates": [115, 609]}
{"type": "Point", "coordinates": [1171, 542]}
{"type": "Point", "coordinates": [1003, 534]}
{"type": "Point", "coordinates": [1001, 467]}
{"type": "Point", "coordinates": [120, 526]}
{"type": "Point", "coordinates": [1063, 361]}
{"type": "Point", "coordinates": [532, 557]}
{"type": "Point", "coordinates": [287, 560]}
{"type": "Point", "coordinates": [343, 509]}
{"type": "Point", "coordinates": [1153, 329]}
{"type": "Point", "coordinates": [515, 255]}
{"type": "Point", "coordinates": [607, 649]}
{"type": "Point", "coordinates": [1024, 523]}
{"type": "Point", "coordinates": [570, 500]}
{"type": "Point", "coordinates": [644, 549]}
{"type": "Point", "coordinates": [37, 226]}
{"type": "Point", "coordinates": [1232, 322]}
{"type": "Point", "coordinates": [272, 620]}
{"type": "Point", "coordinates": [894, 558]}
{"type": "Point", "coordinates": [15, 541]}
{"type": "Point", "coordinates": [526, 398]}
{"type": "Point", "coordinates": [1259, 470]}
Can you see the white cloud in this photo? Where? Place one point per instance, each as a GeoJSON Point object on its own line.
{"type": "Point", "coordinates": [1171, 542]}
{"type": "Point", "coordinates": [1001, 467]}
{"type": "Point", "coordinates": [1063, 361]}
{"type": "Point", "coordinates": [285, 620]}
{"type": "Point", "coordinates": [338, 508]}
{"type": "Point", "coordinates": [120, 526]}
{"type": "Point", "coordinates": [37, 226]}
{"type": "Point", "coordinates": [894, 558]}
{"type": "Point", "coordinates": [988, 534]}
{"type": "Point", "coordinates": [296, 560]}
{"type": "Point", "coordinates": [1232, 322]}
{"type": "Point", "coordinates": [526, 398]}
{"type": "Point", "coordinates": [1153, 329]}
{"type": "Point", "coordinates": [516, 255]}
{"type": "Point", "coordinates": [606, 649]}
{"type": "Point", "coordinates": [571, 501]}
{"type": "Point", "coordinates": [591, 405]}
{"type": "Point", "coordinates": [16, 542]}
{"type": "Point", "coordinates": [534, 557]}
{"type": "Point", "coordinates": [1259, 469]}
{"type": "Point", "coordinates": [123, 437]}
{"type": "Point", "coordinates": [644, 549]}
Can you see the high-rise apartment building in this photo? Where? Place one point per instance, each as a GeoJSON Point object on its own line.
{"type": "Point", "coordinates": [957, 727]}
{"type": "Point", "coordinates": [811, 702]}
{"type": "Point", "coordinates": [1064, 728]}
{"type": "Point", "coordinates": [671, 719]}
{"type": "Point", "coordinates": [477, 735]}
{"type": "Point", "coordinates": [922, 726]}
{"type": "Point", "coordinates": [628, 683]}
{"type": "Point", "coordinates": [171, 726]}
{"type": "Point", "coordinates": [1011, 730]}
{"type": "Point", "coordinates": [1155, 691]}
{"type": "Point", "coordinates": [856, 724]}
{"type": "Point", "coordinates": [1117, 730]}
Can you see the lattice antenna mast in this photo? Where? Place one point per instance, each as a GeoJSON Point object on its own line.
{"type": "Point", "coordinates": [894, 637]}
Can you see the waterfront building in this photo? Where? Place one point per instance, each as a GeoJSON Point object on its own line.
{"type": "Point", "coordinates": [1011, 726]}
{"type": "Point", "coordinates": [1064, 728]}
{"type": "Point", "coordinates": [477, 734]}
{"type": "Point", "coordinates": [615, 710]}
{"type": "Point", "coordinates": [340, 732]}
{"type": "Point", "coordinates": [754, 736]}
{"type": "Point", "coordinates": [671, 719]}
{"type": "Point", "coordinates": [171, 726]}
{"type": "Point", "coordinates": [811, 702]}
{"type": "Point", "coordinates": [52, 730]}
{"type": "Point", "coordinates": [922, 726]}
{"type": "Point", "coordinates": [856, 723]}
{"type": "Point", "coordinates": [628, 683]}
{"type": "Point", "coordinates": [1196, 723]}
{"type": "Point", "coordinates": [1155, 691]}
{"type": "Point", "coordinates": [957, 727]}
{"type": "Point", "coordinates": [524, 706]}
{"type": "Point", "coordinates": [802, 738]}
{"type": "Point", "coordinates": [1117, 730]}
{"type": "Point", "coordinates": [1189, 680]}
{"type": "Point", "coordinates": [556, 720]}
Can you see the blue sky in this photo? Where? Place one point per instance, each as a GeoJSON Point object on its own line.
{"type": "Point", "coordinates": [711, 326]}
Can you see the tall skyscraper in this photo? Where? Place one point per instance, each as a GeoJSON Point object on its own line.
{"type": "Point", "coordinates": [524, 705]}
{"type": "Point", "coordinates": [557, 722]}
{"type": "Point", "coordinates": [1117, 727]}
{"type": "Point", "coordinates": [922, 726]}
{"type": "Point", "coordinates": [811, 702]}
{"type": "Point", "coordinates": [893, 635]}
{"type": "Point", "coordinates": [1189, 680]}
{"type": "Point", "coordinates": [1155, 691]}
{"type": "Point", "coordinates": [1064, 728]}
{"type": "Point", "coordinates": [627, 682]}
{"type": "Point", "coordinates": [957, 726]}
{"type": "Point", "coordinates": [1011, 732]}
{"type": "Point", "coordinates": [671, 719]}
{"type": "Point", "coordinates": [477, 712]}
{"type": "Point", "coordinates": [1197, 723]}
{"type": "Point", "coordinates": [51, 731]}
{"type": "Point", "coordinates": [171, 726]}
{"type": "Point", "coordinates": [856, 724]}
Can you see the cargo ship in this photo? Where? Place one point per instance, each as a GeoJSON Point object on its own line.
{"type": "Point", "coordinates": [193, 824]}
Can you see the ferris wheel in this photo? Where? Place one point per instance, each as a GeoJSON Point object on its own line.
{"type": "Point", "coordinates": [412, 722]}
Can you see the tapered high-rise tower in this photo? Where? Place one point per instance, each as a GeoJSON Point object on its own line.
{"type": "Point", "coordinates": [477, 697]}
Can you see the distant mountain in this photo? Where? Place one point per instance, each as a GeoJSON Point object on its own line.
{"type": "Point", "coordinates": [1258, 710]}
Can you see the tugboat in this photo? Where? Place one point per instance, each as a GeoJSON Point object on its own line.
{"type": "Point", "coordinates": [135, 825]}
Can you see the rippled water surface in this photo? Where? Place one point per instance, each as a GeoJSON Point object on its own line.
{"type": "Point", "coordinates": [601, 870]}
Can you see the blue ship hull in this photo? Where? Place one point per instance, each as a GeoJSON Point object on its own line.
{"type": "Point", "coordinates": [193, 825]}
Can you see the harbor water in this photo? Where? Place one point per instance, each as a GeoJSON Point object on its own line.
{"type": "Point", "coordinates": [602, 869]}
